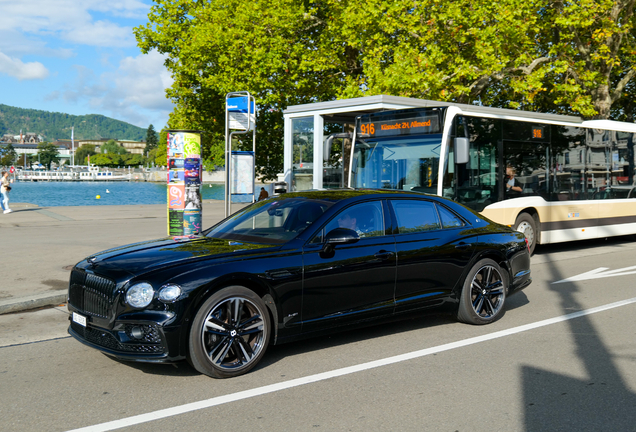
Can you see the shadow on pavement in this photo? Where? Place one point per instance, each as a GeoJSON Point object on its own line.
{"type": "Point", "coordinates": [601, 402]}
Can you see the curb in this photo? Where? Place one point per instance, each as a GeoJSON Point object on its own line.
{"type": "Point", "coordinates": [22, 304]}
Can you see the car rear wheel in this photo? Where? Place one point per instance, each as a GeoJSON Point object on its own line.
{"type": "Point", "coordinates": [230, 333]}
{"type": "Point", "coordinates": [484, 293]}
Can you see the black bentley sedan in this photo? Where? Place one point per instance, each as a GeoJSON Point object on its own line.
{"type": "Point", "coordinates": [293, 266]}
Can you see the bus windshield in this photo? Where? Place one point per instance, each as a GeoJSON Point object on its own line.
{"type": "Point", "coordinates": [405, 162]}
{"type": "Point", "coordinates": [398, 150]}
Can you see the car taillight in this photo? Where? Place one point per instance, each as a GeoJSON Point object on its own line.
{"type": "Point", "coordinates": [527, 244]}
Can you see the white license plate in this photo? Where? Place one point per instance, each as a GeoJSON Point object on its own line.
{"type": "Point", "coordinates": [81, 320]}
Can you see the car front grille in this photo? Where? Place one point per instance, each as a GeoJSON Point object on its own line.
{"type": "Point", "coordinates": [91, 294]}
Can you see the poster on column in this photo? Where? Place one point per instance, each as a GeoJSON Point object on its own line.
{"type": "Point", "coordinates": [175, 222]}
{"type": "Point", "coordinates": [191, 222]}
{"type": "Point", "coordinates": [192, 172]}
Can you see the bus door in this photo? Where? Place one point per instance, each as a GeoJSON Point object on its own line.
{"type": "Point", "coordinates": [475, 184]}
{"type": "Point", "coordinates": [575, 174]}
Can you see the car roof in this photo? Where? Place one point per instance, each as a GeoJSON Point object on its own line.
{"type": "Point", "coordinates": [346, 193]}
{"type": "Point", "coordinates": [350, 195]}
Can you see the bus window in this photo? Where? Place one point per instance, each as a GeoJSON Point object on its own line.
{"type": "Point", "coordinates": [525, 168]}
{"type": "Point", "coordinates": [568, 164]}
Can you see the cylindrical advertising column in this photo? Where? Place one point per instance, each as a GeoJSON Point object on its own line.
{"type": "Point", "coordinates": [184, 182]}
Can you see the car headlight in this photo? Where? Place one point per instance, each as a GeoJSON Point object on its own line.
{"type": "Point", "coordinates": [169, 293]}
{"type": "Point", "coordinates": [140, 295]}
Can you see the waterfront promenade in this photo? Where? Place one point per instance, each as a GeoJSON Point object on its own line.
{"type": "Point", "coordinates": [39, 245]}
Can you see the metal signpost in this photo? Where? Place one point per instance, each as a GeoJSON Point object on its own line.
{"type": "Point", "coordinates": [240, 117]}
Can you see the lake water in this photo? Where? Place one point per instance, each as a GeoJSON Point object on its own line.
{"type": "Point", "coordinates": [49, 194]}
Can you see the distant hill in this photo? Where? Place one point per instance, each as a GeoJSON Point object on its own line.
{"type": "Point", "coordinates": [53, 126]}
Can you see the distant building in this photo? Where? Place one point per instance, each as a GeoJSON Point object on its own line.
{"type": "Point", "coordinates": [133, 147]}
{"type": "Point", "coordinates": [27, 138]}
{"type": "Point", "coordinates": [30, 149]}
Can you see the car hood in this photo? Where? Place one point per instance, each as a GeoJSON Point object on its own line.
{"type": "Point", "coordinates": [138, 258]}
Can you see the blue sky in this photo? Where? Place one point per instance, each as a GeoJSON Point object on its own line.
{"type": "Point", "coordinates": [80, 57]}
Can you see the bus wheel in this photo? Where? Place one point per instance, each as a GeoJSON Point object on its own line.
{"type": "Point", "coordinates": [526, 224]}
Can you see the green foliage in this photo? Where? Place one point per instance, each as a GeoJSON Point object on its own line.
{"type": "Point", "coordinates": [102, 159]}
{"type": "Point", "coordinates": [55, 126]}
{"type": "Point", "coordinates": [133, 160]}
{"type": "Point", "coordinates": [48, 153]}
{"type": "Point", "coordinates": [112, 147]}
{"type": "Point", "coordinates": [7, 155]}
{"type": "Point", "coordinates": [161, 155]}
{"type": "Point", "coordinates": [83, 152]}
{"type": "Point", "coordinates": [151, 139]}
{"type": "Point", "coordinates": [567, 57]}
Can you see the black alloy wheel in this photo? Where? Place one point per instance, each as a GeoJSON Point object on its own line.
{"type": "Point", "coordinates": [483, 294]}
{"type": "Point", "coordinates": [230, 333]}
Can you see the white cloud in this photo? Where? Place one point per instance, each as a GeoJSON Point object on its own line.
{"type": "Point", "coordinates": [72, 20]}
{"type": "Point", "coordinates": [101, 33]}
{"type": "Point", "coordinates": [23, 71]}
{"type": "Point", "coordinates": [134, 92]}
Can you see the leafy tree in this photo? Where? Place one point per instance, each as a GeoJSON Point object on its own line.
{"type": "Point", "coordinates": [546, 55]}
{"type": "Point", "coordinates": [48, 153]}
{"type": "Point", "coordinates": [83, 152]}
{"type": "Point", "coordinates": [151, 139]}
{"type": "Point", "coordinates": [268, 51]}
{"type": "Point", "coordinates": [102, 159]}
{"type": "Point", "coordinates": [593, 55]}
{"type": "Point", "coordinates": [161, 155]}
{"type": "Point", "coordinates": [132, 159]}
{"type": "Point", "coordinates": [113, 147]}
{"type": "Point", "coordinates": [150, 157]}
{"type": "Point", "coordinates": [7, 155]}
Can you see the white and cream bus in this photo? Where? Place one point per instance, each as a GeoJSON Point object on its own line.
{"type": "Point", "coordinates": [573, 179]}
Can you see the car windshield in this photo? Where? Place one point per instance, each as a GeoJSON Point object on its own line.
{"type": "Point", "coordinates": [271, 222]}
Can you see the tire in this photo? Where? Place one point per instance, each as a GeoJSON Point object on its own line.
{"type": "Point", "coordinates": [230, 333]}
{"type": "Point", "coordinates": [527, 225]}
{"type": "Point", "coordinates": [484, 294]}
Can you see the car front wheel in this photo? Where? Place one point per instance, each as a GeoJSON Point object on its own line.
{"type": "Point", "coordinates": [230, 333]}
{"type": "Point", "coordinates": [484, 293]}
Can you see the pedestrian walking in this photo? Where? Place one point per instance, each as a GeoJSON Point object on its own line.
{"type": "Point", "coordinates": [5, 187]}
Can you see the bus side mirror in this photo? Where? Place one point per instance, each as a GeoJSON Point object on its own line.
{"type": "Point", "coordinates": [461, 150]}
{"type": "Point", "coordinates": [326, 150]}
{"type": "Point", "coordinates": [328, 144]}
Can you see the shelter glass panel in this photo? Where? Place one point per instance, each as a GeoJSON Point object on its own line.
{"type": "Point", "coordinates": [302, 177]}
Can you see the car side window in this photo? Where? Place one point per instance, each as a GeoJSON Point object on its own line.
{"type": "Point", "coordinates": [366, 219]}
{"type": "Point", "coordinates": [415, 216]}
{"type": "Point", "coordinates": [449, 219]}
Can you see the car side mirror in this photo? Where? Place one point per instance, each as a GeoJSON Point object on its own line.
{"type": "Point", "coordinates": [462, 154]}
{"type": "Point", "coordinates": [340, 236]}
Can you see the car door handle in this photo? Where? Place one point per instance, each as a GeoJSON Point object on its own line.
{"type": "Point", "coordinates": [384, 255]}
{"type": "Point", "coordinates": [463, 245]}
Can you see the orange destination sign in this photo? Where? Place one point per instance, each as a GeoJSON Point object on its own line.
{"type": "Point", "coordinates": [419, 125]}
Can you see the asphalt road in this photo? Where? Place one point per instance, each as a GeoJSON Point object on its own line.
{"type": "Point", "coordinates": [554, 362]}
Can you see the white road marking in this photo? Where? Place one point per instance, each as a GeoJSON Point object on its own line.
{"type": "Point", "coordinates": [599, 273]}
{"type": "Point", "coordinates": [259, 391]}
